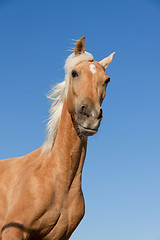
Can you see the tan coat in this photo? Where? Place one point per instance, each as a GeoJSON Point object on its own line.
{"type": "Point", "coordinates": [40, 193]}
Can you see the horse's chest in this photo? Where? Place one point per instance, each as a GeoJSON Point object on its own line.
{"type": "Point", "coordinates": [76, 210]}
{"type": "Point", "coordinates": [70, 214]}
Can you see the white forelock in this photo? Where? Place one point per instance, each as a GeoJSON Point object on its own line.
{"type": "Point", "coordinates": [58, 95]}
{"type": "Point", "coordinates": [71, 62]}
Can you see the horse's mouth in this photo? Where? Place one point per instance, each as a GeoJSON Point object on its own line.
{"type": "Point", "coordinates": [87, 131]}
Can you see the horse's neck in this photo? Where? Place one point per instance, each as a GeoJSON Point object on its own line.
{"type": "Point", "coordinates": [69, 150]}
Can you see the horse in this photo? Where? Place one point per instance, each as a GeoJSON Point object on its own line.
{"type": "Point", "coordinates": [40, 193]}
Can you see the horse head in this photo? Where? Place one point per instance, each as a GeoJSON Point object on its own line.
{"type": "Point", "coordinates": [87, 88]}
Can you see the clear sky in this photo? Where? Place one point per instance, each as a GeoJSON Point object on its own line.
{"type": "Point", "coordinates": [121, 177]}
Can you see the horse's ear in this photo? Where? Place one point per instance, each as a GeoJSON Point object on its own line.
{"type": "Point", "coordinates": [80, 46]}
{"type": "Point", "coordinates": [106, 61]}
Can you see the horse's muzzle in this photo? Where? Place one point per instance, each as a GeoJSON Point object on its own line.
{"type": "Point", "coordinates": [89, 119]}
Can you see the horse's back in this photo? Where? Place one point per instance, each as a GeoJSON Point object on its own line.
{"type": "Point", "coordinates": [14, 169]}
{"type": "Point", "coordinates": [7, 171]}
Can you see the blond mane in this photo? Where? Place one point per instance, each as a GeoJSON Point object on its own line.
{"type": "Point", "coordinates": [57, 96]}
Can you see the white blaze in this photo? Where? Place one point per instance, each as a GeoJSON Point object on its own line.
{"type": "Point", "coordinates": [92, 68]}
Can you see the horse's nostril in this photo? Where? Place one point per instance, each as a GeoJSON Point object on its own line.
{"type": "Point", "coordinates": [84, 110]}
{"type": "Point", "coordinates": [100, 114]}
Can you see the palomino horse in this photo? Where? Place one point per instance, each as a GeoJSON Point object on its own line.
{"type": "Point", "coordinates": [40, 193]}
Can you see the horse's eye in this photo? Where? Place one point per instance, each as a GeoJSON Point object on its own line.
{"type": "Point", "coordinates": [74, 74]}
{"type": "Point", "coordinates": [107, 81]}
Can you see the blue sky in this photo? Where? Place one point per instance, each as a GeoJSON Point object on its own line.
{"type": "Point", "coordinates": [121, 178]}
